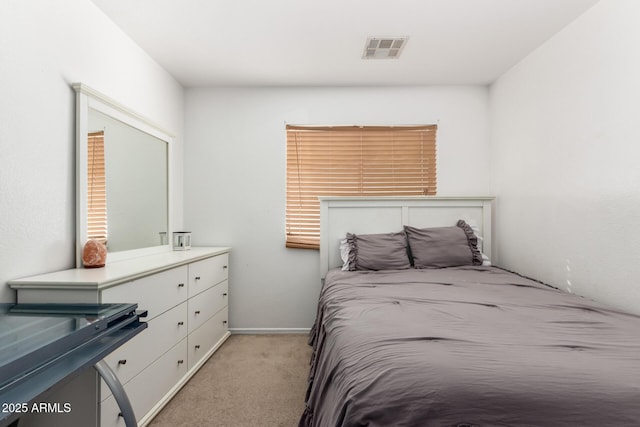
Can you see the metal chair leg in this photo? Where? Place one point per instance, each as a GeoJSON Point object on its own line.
{"type": "Point", "coordinates": [119, 394]}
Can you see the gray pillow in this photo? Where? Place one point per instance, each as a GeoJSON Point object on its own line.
{"type": "Point", "coordinates": [378, 251]}
{"type": "Point", "coordinates": [443, 246]}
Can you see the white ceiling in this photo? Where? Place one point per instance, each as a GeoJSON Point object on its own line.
{"type": "Point", "coordinates": [320, 42]}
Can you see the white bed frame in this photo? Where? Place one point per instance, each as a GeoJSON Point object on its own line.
{"type": "Point", "coordinates": [365, 215]}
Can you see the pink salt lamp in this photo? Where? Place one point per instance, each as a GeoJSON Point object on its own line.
{"type": "Point", "coordinates": [94, 254]}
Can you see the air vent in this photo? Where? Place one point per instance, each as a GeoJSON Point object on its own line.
{"type": "Point", "coordinates": [384, 47]}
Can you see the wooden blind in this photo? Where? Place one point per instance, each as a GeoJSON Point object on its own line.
{"type": "Point", "coordinates": [353, 161]}
{"type": "Point", "coordinates": [97, 191]}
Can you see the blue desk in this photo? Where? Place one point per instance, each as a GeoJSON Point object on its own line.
{"type": "Point", "coordinates": [44, 344]}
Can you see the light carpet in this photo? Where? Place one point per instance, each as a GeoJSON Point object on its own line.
{"type": "Point", "coordinates": [252, 380]}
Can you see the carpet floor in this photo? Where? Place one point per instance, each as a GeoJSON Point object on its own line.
{"type": "Point", "coordinates": [252, 380]}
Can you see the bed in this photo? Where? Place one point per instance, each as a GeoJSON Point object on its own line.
{"type": "Point", "coordinates": [455, 345]}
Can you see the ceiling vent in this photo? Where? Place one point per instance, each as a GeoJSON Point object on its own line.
{"type": "Point", "coordinates": [384, 47]}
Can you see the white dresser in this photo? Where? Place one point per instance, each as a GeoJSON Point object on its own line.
{"type": "Point", "coordinates": [186, 296]}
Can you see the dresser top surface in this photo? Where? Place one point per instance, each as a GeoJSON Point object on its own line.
{"type": "Point", "coordinates": [116, 272]}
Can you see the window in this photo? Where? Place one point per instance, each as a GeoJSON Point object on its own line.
{"type": "Point", "coordinates": [97, 191]}
{"type": "Point", "coordinates": [353, 161]}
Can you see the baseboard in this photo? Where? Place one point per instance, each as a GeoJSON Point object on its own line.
{"type": "Point", "coordinates": [269, 330]}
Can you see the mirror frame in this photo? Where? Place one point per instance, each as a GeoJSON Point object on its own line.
{"type": "Point", "coordinates": [86, 99]}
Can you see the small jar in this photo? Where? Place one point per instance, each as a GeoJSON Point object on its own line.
{"type": "Point", "coordinates": [181, 240]}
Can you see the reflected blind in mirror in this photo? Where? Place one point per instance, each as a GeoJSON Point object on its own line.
{"type": "Point", "coordinates": [97, 191]}
{"type": "Point", "coordinates": [353, 161]}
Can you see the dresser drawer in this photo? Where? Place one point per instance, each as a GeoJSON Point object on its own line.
{"type": "Point", "coordinates": [156, 293]}
{"type": "Point", "coordinates": [110, 414]}
{"type": "Point", "coordinates": [163, 332]}
{"type": "Point", "coordinates": [207, 272]}
{"type": "Point", "coordinates": [147, 388]}
{"type": "Point", "coordinates": [206, 336]}
{"type": "Point", "coordinates": [206, 304]}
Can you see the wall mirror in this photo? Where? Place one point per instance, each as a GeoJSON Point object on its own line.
{"type": "Point", "coordinates": [122, 175]}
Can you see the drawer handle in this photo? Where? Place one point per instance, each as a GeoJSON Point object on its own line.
{"type": "Point", "coordinates": [224, 267]}
{"type": "Point", "coordinates": [122, 362]}
{"type": "Point", "coordinates": [224, 295]}
{"type": "Point", "coordinates": [197, 346]}
{"type": "Point", "coordinates": [197, 311]}
{"type": "Point", "coordinates": [180, 323]}
{"type": "Point", "coordinates": [180, 362]}
{"type": "Point", "coordinates": [224, 322]}
{"type": "Point", "coordinates": [181, 285]}
{"type": "Point", "coordinates": [197, 277]}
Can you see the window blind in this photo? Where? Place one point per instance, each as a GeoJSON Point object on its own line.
{"type": "Point", "coordinates": [353, 161]}
{"type": "Point", "coordinates": [97, 191]}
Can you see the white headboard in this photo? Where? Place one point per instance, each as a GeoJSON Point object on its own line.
{"type": "Point", "coordinates": [366, 215]}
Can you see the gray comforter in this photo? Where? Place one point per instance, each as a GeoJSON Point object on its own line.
{"type": "Point", "coordinates": [468, 346]}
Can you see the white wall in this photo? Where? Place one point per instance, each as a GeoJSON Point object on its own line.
{"type": "Point", "coordinates": [566, 158]}
{"type": "Point", "coordinates": [235, 177]}
{"type": "Point", "coordinates": [44, 47]}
